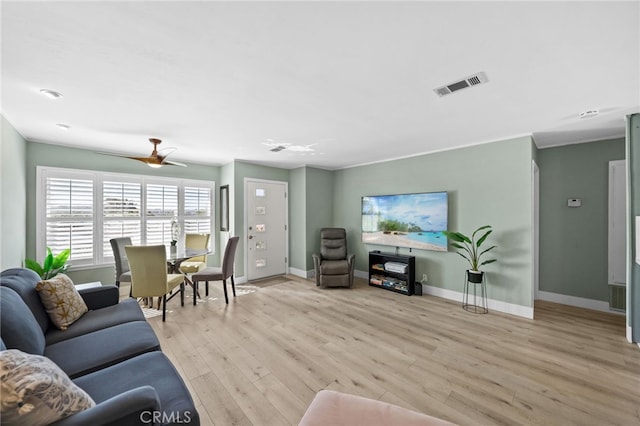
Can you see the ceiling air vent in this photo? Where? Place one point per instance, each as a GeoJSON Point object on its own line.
{"type": "Point", "coordinates": [278, 148]}
{"type": "Point", "coordinates": [473, 80]}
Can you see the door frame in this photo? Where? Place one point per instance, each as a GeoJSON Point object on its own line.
{"type": "Point", "coordinates": [610, 220]}
{"type": "Point", "coordinates": [535, 233]}
{"type": "Point", "coordinates": [246, 221]}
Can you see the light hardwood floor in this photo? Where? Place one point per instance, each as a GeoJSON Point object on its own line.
{"type": "Point", "coordinates": [261, 359]}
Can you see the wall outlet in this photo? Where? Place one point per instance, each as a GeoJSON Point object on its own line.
{"type": "Point", "coordinates": [424, 279]}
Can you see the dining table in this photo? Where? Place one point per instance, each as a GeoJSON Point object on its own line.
{"type": "Point", "coordinates": [177, 255]}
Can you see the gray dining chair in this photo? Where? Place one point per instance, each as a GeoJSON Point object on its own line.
{"type": "Point", "coordinates": [123, 272]}
{"type": "Point", "coordinates": [214, 273]}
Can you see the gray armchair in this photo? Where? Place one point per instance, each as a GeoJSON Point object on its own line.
{"type": "Point", "coordinates": [333, 265]}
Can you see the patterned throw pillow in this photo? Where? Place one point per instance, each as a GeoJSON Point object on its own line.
{"type": "Point", "coordinates": [35, 391]}
{"type": "Point", "coordinates": [61, 300]}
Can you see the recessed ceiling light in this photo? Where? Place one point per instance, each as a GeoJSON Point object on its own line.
{"type": "Point", "coordinates": [62, 126]}
{"type": "Point", "coordinates": [589, 113]}
{"type": "Point", "coordinates": [52, 94]}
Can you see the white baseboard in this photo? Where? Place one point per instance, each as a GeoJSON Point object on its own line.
{"type": "Point", "coordinates": [496, 305]}
{"type": "Point", "coordinates": [362, 274]}
{"type": "Point", "coordinates": [580, 302]}
{"type": "Point", "coordinates": [301, 273]}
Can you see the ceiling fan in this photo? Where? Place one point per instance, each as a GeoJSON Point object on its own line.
{"type": "Point", "coordinates": [156, 159]}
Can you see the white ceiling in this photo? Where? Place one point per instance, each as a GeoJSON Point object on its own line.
{"type": "Point", "coordinates": [352, 81]}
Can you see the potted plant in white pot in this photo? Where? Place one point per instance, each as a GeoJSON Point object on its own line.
{"type": "Point", "coordinates": [471, 249]}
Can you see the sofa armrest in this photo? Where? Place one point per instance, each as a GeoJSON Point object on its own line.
{"type": "Point", "coordinates": [133, 407]}
{"type": "Point", "coordinates": [100, 297]}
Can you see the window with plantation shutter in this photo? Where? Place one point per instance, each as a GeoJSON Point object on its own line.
{"type": "Point", "coordinates": [197, 210]}
{"type": "Point", "coordinates": [69, 217]}
{"type": "Point", "coordinates": [83, 210]}
{"type": "Point", "coordinates": [122, 212]}
{"type": "Point", "coordinates": [161, 207]}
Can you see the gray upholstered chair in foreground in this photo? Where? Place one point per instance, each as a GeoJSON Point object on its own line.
{"type": "Point", "coordinates": [123, 273]}
{"type": "Point", "coordinates": [333, 265]}
{"type": "Point", "coordinates": [218, 273]}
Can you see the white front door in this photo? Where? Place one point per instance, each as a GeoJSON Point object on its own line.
{"type": "Point", "coordinates": [266, 228]}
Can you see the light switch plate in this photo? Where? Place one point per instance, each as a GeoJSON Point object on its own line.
{"type": "Point", "coordinates": [574, 202]}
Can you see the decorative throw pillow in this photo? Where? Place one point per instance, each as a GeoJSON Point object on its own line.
{"type": "Point", "coordinates": [61, 300]}
{"type": "Point", "coordinates": [35, 391]}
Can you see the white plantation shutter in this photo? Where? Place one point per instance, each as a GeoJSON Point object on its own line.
{"type": "Point", "coordinates": [197, 210]}
{"type": "Point", "coordinates": [122, 213]}
{"type": "Point", "coordinates": [161, 206]}
{"type": "Point", "coordinates": [83, 210]}
{"type": "Point", "coordinates": [69, 217]}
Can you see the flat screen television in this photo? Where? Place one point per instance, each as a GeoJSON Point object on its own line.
{"type": "Point", "coordinates": [406, 220]}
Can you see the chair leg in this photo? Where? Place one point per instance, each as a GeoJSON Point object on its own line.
{"type": "Point", "coordinates": [206, 283]}
{"type": "Point", "coordinates": [164, 307]}
{"type": "Point", "coordinates": [233, 286]}
{"type": "Point", "coordinates": [195, 290]}
{"type": "Point", "coordinates": [224, 285]}
{"type": "Point", "coordinates": [182, 294]}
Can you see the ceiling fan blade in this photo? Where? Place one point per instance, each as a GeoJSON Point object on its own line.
{"type": "Point", "coordinates": [156, 159]}
{"type": "Point", "coordinates": [164, 157]}
{"type": "Point", "coordinates": [173, 163]}
{"type": "Point", "coordinates": [113, 154]}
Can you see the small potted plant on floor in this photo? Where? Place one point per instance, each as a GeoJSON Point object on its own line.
{"type": "Point", "coordinates": [471, 250]}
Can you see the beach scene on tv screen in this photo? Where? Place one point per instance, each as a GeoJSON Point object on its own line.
{"type": "Point", "coordinates": [406, 220]}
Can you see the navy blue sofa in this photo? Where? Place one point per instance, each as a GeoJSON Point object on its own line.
{"type": "Point", "coordinates": [111, 352]}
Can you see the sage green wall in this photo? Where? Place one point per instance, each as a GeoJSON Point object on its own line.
{"type": "Point", "coordinates": [574, 241]}
{"type": "Point", "coordinates": [297, 218]}
{"type": "Point", "coordinates": [320, 205]}
{"type": "Point", "coordinates": [311, 208]}
{"type": "Point", "coordinates": [242, 171]}
{"type": "Point", "coordinates": [13, 204]}
{"type": "Point", "coordinates": [633, 158]}
{"type": "Point", "coordinates": [487, 184]}
{"type": "Point", "coordinates": [39, 154]}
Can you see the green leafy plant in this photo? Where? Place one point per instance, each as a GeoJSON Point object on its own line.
{"type": "Point", "coordinates": [470, 248]}
{"type": "Point", "coordinates": [52, 265]}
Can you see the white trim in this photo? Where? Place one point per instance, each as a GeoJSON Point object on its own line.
{"type": "Point", "coordinates": [580, 302]}
{"type": "Point", "coordinates": [302, 273]}
{"type": "Point", "coordinates": [496, 305]}
{"type": "Point", "coordinates": [611, 242]}
{"type": "Point", "coordinates": [361, 274]}
{"type": "Point", "coordinates": [535, 231]}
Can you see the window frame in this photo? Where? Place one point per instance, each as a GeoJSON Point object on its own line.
{"type": "Point", "coordinates": [99, 257]}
